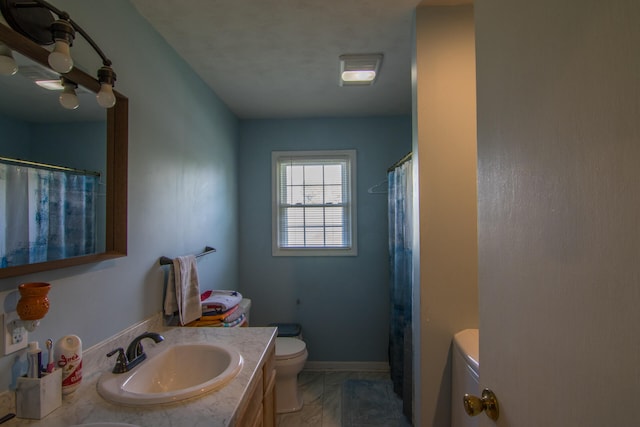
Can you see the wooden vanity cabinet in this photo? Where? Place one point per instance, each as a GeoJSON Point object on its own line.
{"type": "Point", "coordinates": [269, 398]}
{"type": "Point", "coordinates": [259, 408]}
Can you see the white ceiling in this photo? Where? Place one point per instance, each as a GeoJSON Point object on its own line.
{"type": "Point", "coordinates": [279, 58]}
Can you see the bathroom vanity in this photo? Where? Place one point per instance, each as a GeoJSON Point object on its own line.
{"type": "Point", "coordinates": [247, 400]}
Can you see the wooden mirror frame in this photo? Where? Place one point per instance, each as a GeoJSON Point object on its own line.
{"type": "Point", "coordinates": [117, 164]}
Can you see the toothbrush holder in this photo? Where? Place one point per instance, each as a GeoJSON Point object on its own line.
{"type": "Point", "coordinates": [38, 397]}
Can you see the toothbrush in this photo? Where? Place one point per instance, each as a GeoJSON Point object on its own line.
{"type": "Point", "coordinates": [49, 345]}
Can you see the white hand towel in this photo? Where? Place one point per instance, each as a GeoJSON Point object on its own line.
{"type": "Point", "coordinates": [186, 290]}
{"type": "Point", "coordinates": [170, 301]}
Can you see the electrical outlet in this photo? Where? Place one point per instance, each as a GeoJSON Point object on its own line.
{"type": "Point", "coordinates": [14, 338]}
{"type": "Point", "coordinates": [17, 336]}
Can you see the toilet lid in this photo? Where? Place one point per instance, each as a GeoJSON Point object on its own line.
{"type": "Point", "coordinates": [289, 347]}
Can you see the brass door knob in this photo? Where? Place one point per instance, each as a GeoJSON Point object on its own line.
{"type": "Point", "coordinates": [488, 403]}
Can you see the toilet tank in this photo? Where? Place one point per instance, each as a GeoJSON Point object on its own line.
{"type": "Point", "coordinates": [465, 373]}
{"type": "Point", "coordinates": [246, 306]}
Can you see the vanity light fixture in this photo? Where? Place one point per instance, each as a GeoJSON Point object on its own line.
{"type": "Point", "coordinates": [359, 70]}
{"type": "Point", "coordinates": [35, 20]}
{"type": "Point", "coordinates": [63, 35]}
{"type": "Point", "coordinates": [106, 97]}
{"type": "Point", "coordinates": [68, 98]}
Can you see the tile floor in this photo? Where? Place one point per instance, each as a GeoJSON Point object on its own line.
{"type": "Point", "coordinates": [322, 396]}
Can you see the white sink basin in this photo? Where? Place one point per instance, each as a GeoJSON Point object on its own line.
{"type": "Point", "coordinates": [179, 372]}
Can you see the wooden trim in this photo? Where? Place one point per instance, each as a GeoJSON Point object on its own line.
{"type": "Point", "coordinates": [117, 175]}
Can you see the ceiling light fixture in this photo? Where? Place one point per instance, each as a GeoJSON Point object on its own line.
{"type": "Point", "coordinates": [359, 70]}
{"type": "Point", "coordinates": [50, 84]}
{"type": "Point", "coordinates": [35, 19]}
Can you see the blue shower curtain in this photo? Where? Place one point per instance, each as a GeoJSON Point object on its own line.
{"type": "Point", "coordinates": [45, 215]}
{"type": "Point", "coordinates": [400, 266]}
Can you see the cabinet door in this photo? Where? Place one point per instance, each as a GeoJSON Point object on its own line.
{"type": "Point", "coordinates": [269, 400]}
{"type": "Point", "coordinates": [253, 407]}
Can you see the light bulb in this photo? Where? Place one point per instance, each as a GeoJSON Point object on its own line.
{"type": "Point", "coordinates": [105, 97]}
{"type": "Point", "coordinates": [68, 98]}
{"type": "Point", "coordinates": [8, 66]}
{"type": "Point", "coordinates": [60, 59]}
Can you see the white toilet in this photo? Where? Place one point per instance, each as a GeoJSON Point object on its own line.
{"type": "Point", "coordinates": [465, 376]}
{"type": "Point", "coordinates": [291, 354]}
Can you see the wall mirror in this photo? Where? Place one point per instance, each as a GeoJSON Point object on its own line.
{"type": "Point", "coordinates": [90, 140]}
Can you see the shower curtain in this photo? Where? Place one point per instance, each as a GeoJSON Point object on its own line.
{"type": "Point", "coordinates": [45, 215]}
{"type": "Point", "coordinates": [400, 266]}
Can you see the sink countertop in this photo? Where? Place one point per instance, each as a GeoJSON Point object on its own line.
{"type": "Point", "coordinates": [217, 408]}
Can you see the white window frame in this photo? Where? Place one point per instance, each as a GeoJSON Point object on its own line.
{"type": "Point", "coordinates": [277, 157]}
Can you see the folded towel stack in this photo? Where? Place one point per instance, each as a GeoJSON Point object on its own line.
{"type": "Point", "coordinates": [221, 308]}
{"type": "Point", "coordinates": [219, 301]}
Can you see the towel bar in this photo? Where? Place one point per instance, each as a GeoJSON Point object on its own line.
{"type": "Point", "coordinates": [168, 261]}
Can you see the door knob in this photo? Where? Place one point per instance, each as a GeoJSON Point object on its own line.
{"type": "Point", "coordinates": [473, 405]}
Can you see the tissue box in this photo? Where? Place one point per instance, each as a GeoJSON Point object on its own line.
{"type": "Point", "coordinates": [38, 397]}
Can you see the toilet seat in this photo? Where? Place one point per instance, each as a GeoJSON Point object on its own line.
{"type": "Point", "coordinates": [289, 348]}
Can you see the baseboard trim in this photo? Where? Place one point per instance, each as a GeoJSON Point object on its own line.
{"type": "Point", "coordinates": [347, 366]}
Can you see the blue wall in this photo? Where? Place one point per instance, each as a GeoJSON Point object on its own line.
{"type": "Point", "coordinates": [182, 184]}
{"type": "Point", "coordinates": [185, 188]}
{"type": "Point", "coordinates": [79, 145]}
{"type": "Point", "coordinates": [342, 303]}
{"type": "Point", "coordinates": [15, 137]}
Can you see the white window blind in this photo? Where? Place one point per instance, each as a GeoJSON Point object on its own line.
{"type": "Point", "coordinates": [314, 209]}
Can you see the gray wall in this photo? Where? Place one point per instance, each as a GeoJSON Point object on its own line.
{"type": "Point", "coordinates": [342, 303]}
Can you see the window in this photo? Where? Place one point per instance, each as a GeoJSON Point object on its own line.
{"type": "Point", "coordinates": [314, 211]}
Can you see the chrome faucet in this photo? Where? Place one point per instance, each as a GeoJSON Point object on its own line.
{"type": "Point", "coordinates": [135, 353]}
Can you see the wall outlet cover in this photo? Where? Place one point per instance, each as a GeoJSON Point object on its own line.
{"type": "Point", "coordinates": [14, 338]}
